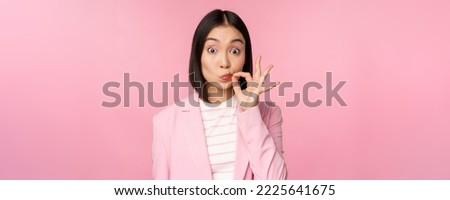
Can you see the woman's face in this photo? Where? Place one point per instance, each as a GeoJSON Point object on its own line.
{"type": "Point", "coordinates": [223, 54]}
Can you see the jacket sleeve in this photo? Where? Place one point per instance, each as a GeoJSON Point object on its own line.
{"type": "Point", "coordinates": [160, 151]}
{"type": "Point", "coordinates": [264, 142]}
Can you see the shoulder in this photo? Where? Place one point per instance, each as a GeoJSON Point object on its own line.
{"type": "Point", "coordinates": [170, 112]}
{"type": "Point", "coordinates": [166, 112]}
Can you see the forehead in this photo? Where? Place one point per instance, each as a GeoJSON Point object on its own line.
{"type": "Point", "coordinates": [225, 34]}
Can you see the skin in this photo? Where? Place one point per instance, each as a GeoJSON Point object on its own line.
{"type": "Point", "coordinates": [224, 53]}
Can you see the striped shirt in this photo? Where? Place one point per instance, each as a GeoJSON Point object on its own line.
{"type": "Point", "coordinates": [220, 125]}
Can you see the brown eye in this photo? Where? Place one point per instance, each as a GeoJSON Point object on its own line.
{"type": "Point", "coordinates": [235, 51]}
{"type": "Point", "coordinates": [212, 50]}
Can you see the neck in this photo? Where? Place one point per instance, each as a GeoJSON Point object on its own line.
{"type": "Point", "coordinates": [219, 95]}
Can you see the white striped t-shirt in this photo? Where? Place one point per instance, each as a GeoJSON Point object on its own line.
{"type": "Point", "coordinates": [220, 124]}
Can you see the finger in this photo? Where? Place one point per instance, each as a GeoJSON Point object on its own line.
{"type": "Point", "coordinates": [265, 73]}
{"type": "Point", "coordinates": [267, 70]}
{"type": "Point", "coordinates": [236, 86]}
{"type": "Point", "coordinates": [246, 75]}
{"type": "Point", "coordinates": [271, 86]}
{"type": "Point", "coordinates": [258, 67]}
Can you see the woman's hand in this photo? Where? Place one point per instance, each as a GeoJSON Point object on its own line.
{"type": "Point", "coordinates": [250, 96]}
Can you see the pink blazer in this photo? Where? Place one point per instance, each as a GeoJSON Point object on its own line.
{"type": "Point", "coordinates": [180, 150]}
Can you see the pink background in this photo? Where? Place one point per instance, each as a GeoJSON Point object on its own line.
{"type": "Point", "coordinates": [55, 57]}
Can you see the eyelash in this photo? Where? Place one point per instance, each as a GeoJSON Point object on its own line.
{"type": "Point", "coordinates": [214, 50]}
{"type": "Point", "coordinates": [235, 49]}
{"type": "Point", "coordinates": [210, 49]}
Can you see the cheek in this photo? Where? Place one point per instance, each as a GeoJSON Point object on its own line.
{"type": "Point", "coordinates": [206, 65]}
{"type": "Point", "coordinates": [239, 63]}
{"type": "Point", "coordinates": [204, 61]}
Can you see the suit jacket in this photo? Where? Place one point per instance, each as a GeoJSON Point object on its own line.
{"type": "Point", "coordinates": [180, 150]}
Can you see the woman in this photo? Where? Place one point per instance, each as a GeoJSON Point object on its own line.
{"type": "Point", "coordinates": [228, 134]}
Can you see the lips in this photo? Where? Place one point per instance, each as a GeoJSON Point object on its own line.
{"type": "Point", "coordinates": [226, 77]}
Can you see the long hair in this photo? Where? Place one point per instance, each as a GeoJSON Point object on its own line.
{"type": "Point", "coordinates": [211, 20]}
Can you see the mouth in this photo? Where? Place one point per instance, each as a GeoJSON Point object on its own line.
{"type": "Point", "coordinates": [226, 77]}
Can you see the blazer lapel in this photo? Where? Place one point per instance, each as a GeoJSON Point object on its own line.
{"type": "Point", "coordinates": [195, 136]}
{"type": "Point", "coordinates": [241, 162]}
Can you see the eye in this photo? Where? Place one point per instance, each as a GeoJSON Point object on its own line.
{"type": "Point", "coordinates": [212, 50]}
{"type": "Point", "coordinates": [235, 51]}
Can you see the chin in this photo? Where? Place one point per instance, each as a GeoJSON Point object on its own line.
{"type": "Point", "coordinates": [226, 85]}
{"type": "Point", "coordinates": [221, 85]}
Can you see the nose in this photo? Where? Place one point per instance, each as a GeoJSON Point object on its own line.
{"type": "Point", "coordinates": [224, 61]}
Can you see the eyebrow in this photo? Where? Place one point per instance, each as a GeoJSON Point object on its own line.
{"type": "Point", "coordinates": [234, 40]}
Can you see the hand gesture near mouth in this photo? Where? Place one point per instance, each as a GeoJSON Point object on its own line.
{"type": "Point", "coordinates": [249, 97]}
